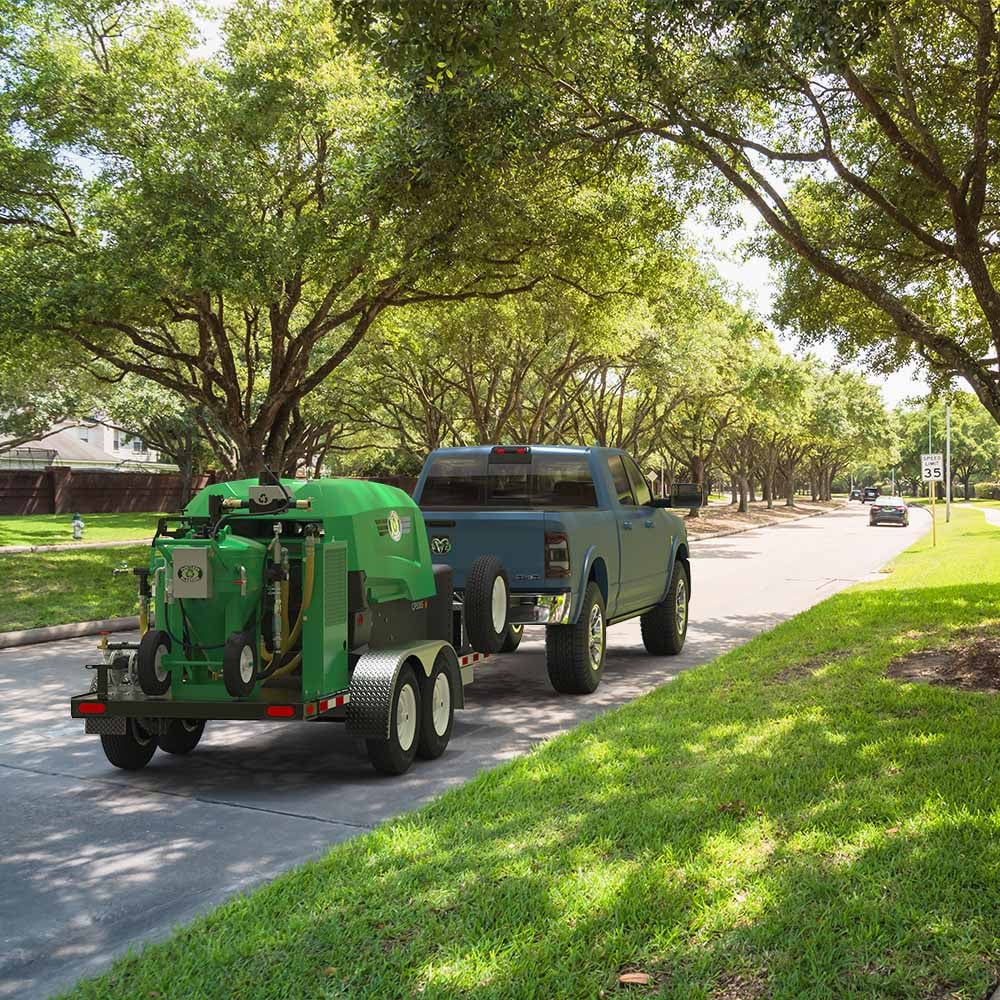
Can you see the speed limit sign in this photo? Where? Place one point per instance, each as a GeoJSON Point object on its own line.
{"type": "Point", "coordinates": [931, 468]}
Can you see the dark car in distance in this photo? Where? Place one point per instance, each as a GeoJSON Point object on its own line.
{"type": "Point", "coordinates": [889, 510]}
{"type": "Point", "coordinates": [856, 493]}
{"type": "Point", "coordinates": [870, 494]}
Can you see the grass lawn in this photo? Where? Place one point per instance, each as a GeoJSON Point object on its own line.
{"type": "Point", "coordinates": [56, 529]}
{"type": "Point", "coordinates": [53, 588]}
{"type": "Point", "coordinates": [784, 822]}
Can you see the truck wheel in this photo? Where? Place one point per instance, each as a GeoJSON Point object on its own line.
{"type": "Point", "coordinates": [182, 735]}
{"type": "Point", "coordinates": [665, 626]}
{"type": "Point", "coordinates": [512, 637]}
{"type": "Point", "coordinates": [574, 654]}
{"type": "Point", "coordinates": [239, 664]}
{"type": "Point", "coordinates": [395, 755]}
{"type": "Point", "coordinates": [154, 678]}
{"type": "Point", "coordinates": [437, 710]}
{"type": "Point", "coordinates": [131, 751]}
{"type": "Point", "coordinates": [486, 600]}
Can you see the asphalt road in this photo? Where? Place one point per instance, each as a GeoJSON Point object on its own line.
{"type": "Point", "coordinates": [96, 860]}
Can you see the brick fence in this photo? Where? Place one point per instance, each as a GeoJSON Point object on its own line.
{"type": "Point", "coordinates": [59, 490]}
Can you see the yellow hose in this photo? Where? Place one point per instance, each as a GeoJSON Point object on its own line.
{"type": "Point", "coordinates": [308, 578]}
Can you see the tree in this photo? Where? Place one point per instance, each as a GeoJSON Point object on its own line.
{"type": "Point", "coordinates": [864, 134]}
{"type": "Point", "coordinates": [230, 227]}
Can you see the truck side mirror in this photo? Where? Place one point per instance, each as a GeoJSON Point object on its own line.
{"type": "Point", "coordinates": [687, 496]}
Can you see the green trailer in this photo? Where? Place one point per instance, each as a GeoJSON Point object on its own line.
{"type": "Point", "coordinates": [291, 600]}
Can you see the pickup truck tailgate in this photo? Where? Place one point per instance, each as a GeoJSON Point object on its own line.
{"type": "Point", "coordinates": [517, 538]}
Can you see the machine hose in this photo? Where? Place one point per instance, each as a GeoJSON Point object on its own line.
{"type": "Point", "coordinates": [308, 578]}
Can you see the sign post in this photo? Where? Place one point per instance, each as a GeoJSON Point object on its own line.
{"type": "Point", "coordinates": [932, 471]}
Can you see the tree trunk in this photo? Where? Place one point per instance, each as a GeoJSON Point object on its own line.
{"type": "Point", "coordinates": [744, 492]}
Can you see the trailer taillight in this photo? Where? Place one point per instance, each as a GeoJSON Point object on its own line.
{"type": "Point", "coordinates": [92, 708]}
{"type": "Point", "coordinates": [280, 711]}
{"type": "Point", "coordinates": [556, 554]}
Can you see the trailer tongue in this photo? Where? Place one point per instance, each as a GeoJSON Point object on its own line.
{"type": "Point", "coordinates": [289, 601]}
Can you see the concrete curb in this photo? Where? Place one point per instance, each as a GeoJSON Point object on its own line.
{"type": "Point", "coordinates": [13, 550]}
{"type": "Point", "coordinates": [30, 636]}
{"type": "Point", "coordinates": [770, 524]}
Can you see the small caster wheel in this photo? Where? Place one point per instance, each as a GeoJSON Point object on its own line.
{"type": "Point", "coordinates": [239, 664]}
{"type": "Point", "coordinates": [154, 678]}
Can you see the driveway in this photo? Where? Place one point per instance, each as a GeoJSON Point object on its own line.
{"type": "Point", "coordinates": [96, 860]}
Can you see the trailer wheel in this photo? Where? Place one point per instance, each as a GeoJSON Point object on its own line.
{"type": "Point", "coordinates": [574, 654]}
{"type": "Point", "coordinates": [437, 710]}
{"type": "Point", "coordinates": [239, 664]}
{"type": "Point", "coordinates": [665, 626]}
{"type": "Point", "coordinates": [485, 601]}
{"type": "Point", "coordinates": [512, 637]}
{"type": "Point", "coordinates": [182, 735]}
{"type": "Point", "coordinates": [132, 750]}
{"type": "Point", "coordinates": [395, 755]}
{"type": "Point", "coordinates": [154, 678]}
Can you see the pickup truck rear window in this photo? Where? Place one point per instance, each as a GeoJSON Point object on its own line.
{"type": "Point", "coordinates": [551, 481]}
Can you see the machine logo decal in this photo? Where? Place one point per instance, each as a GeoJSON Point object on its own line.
{"type": "Point", "coordinates": [189, 573]}
{"type": "Point", "coordinates": [395, 526]}
{"type": "Point", "coordinates": [440, 545]}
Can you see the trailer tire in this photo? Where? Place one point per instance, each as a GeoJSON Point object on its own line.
{"type": "Point", "coordinates": [512, 637]}
{"type": "Point", "coordinates": [395, 755]}
{"type": "Point", "coordinates": [182, 735]}
{"type": "Point", "coordinates": [665, 626]}
{"type": "Point", "coordinates": [239, 664]}
{"type": "Point", "coordinates": [486, 598]}
{"type": "Point", "coordinates": [153, 679]}
{"type": "Point", "coordinates": [574, 654]}
{"type": "Point", "coordinates": [437, 709]}
{"type": "Point", "coordinates": [132, 750]}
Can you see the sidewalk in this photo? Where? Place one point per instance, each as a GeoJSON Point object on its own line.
{"type": "Point", "coordinates": [725, 519]}
{"type": "Point", "coordinates": [12, 550]}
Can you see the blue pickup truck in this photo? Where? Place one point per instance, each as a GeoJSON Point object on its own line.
{"type": "Point", "coordinates": [566, 537]}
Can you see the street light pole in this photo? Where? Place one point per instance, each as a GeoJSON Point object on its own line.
{"type": "Point", "coordinates": [947, 463]}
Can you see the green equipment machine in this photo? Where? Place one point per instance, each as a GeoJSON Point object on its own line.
{"type": "Point", "coordinates": [309, 600]}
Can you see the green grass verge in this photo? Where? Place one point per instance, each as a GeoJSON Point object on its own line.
{"type": "Point", "coordinates": [53, 588]}
{"type": "Point", "coordinates": [56, 529]}
{"type": "Point", "coordinates": [782, 822]}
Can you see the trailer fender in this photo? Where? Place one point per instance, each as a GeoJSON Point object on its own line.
{"type": "Point", "coordinates": [374, 680]}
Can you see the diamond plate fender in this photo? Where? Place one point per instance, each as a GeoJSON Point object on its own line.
{"type": "Point", "coordinates": [105, 726]}
{"type": "Point", "coordinates": [374, 680]}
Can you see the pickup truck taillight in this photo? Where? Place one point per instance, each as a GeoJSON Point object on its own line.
{"type": "Point", "coordinates": [556, 554]}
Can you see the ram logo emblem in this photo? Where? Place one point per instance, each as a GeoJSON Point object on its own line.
{"type": "Point", "coordinates": [440, 545]}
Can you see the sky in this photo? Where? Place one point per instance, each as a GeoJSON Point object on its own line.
{"type": "Point", "coordinates": [753, 274]}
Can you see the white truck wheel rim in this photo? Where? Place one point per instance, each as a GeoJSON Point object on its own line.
{"type": "Point", "coordinates": [681, 606]}
{"type": "Point", "coordinates": [161, 674]}
{"type": "Point", "coordinates": [246, 664]}
{"type": "Point", "coordinates": [499, 608]}
{"type": "Point", "coordinates": [406, 717]}
{"type": "Point", "coordinates": [596, 637]}
{"type": "Point", "coordinates": [441, 703]}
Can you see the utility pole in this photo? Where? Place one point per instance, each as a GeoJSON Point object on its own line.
{"type": "Point", "coordinates": [947, 462]}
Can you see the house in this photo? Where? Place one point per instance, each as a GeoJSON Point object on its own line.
{"type": "Point", "coordinates": [91, 444]}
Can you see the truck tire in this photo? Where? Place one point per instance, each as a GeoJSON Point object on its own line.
{"type": "Point", "coordinates": [437, 710]}
{"type": "Point", "coordinates": [239, 664]}
{"type": "Point", "coordinates": [574, 654]}
{"type": "Point", "coordinates": [131, 751]}
{"type": "Point", "coordinates": [512, 637]}
{"type": "Point", "coordinates": [664, 627]}
{"type": "Point", "coordinates": [395, 755]}
{"type": "Point", "coordinates": [182, 735]}
{"type": "Point", "coordinates": [153, 678]}
{"type": "Point", "coordinates": [486, 598]}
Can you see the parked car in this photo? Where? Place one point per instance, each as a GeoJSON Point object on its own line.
{"type": "Point", "coordinates": [889, 510]}
{"type": "Point", "coordinates": [870, 494]}
{"type": "Point", "coordinates": [856, 493]}
{"type": "Point", "coordinates": [582, 542]}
